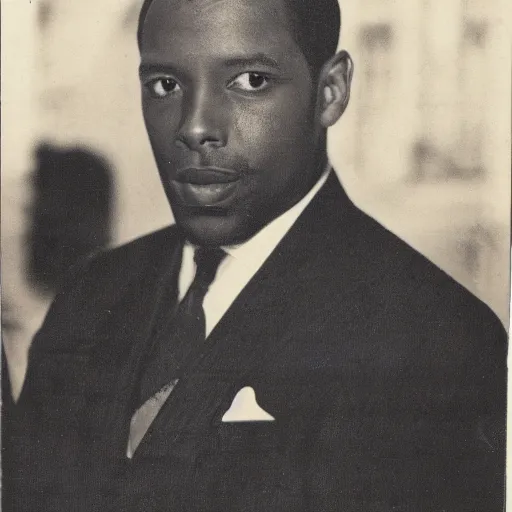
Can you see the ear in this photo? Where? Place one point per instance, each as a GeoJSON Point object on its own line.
{"type": "Point", "coordinates": [334, 88]}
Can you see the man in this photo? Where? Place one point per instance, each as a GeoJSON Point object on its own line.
{"type": "Point", "coordinates": [277, 349]}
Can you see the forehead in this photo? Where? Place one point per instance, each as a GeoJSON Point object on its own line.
{"type": "Point", "coordinates": [206, 28]}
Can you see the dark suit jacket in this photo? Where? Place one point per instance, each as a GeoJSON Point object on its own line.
{"type": "Point", "coordinates": [385, 377]}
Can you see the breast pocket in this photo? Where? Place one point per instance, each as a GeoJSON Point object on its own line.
{"type": "Point", "coordinates": [248, 437]}
{"type": "Point", "coordinates": [250, 464]}
{"type": "Point", "coordinates": [248, 467]}
{"type": "Point", "coordinates": [257, 418]}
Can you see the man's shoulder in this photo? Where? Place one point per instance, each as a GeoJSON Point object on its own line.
{"type": "Point", "coordinates": [115, 266]}
{"type": "Point", "coordinates": [133, 255]}
{"type": "Point", "coordinates": [418, 287]}
{"type": "Point", "coordinates": [356, 249]}
{"type": "Point", "coordinates": [385, 294]}
{"type": "Point", "coordinates": [102, 280]}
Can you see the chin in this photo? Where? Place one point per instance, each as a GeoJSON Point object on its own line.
{"type": "Point", "coordinates": [214, 231]}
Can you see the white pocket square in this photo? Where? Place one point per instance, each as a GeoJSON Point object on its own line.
{"type": "Point", "coordinates": [246, 408]}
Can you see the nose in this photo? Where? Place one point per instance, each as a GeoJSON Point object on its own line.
{"type": "Point", "coordinates": [203, 123]}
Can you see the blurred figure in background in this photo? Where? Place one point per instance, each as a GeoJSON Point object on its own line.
{"type": "Point", "coordinates": [70, 218]}
{"type": "Point", "coordinates": [71, 213]}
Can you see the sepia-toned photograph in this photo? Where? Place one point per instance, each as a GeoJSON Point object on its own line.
{"type": "Point", "coordinates": [255, 255]}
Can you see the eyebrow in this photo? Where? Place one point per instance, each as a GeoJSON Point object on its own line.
{"type": "Point", "coordinates": [258, 59]}
{"type": "Point", "coordinates": [154, 67]}
{"type": "Point", "coordinates": [252, 60]}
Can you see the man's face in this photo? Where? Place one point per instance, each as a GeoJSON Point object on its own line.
{"type": "Point", "coordinates": [229, 106]}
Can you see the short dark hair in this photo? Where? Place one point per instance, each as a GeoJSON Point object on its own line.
{"type": "Point", "coordinates": [316, 24]}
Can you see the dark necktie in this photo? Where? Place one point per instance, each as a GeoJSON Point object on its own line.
{"type": "Point", "coordinates": [190, 311]}
{"type": "Point", "coordinates": [175, 343]}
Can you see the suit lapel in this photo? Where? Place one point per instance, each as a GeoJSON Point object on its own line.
{"type": "Point", "coordinates": [117, 360]}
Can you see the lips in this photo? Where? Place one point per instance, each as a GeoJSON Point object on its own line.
{"type": "Point", "coordinates": [206, 175]}
{"type": "Point", "coordinates": [206, 186]}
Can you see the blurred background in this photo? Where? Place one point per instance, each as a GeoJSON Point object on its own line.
{"type": "Point", "coordinates": [424, 146]}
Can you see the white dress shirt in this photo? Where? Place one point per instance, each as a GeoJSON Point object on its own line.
{"type": "Point", "coordinates": [242, 261]}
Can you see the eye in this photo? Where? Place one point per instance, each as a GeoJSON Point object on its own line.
{"type": "Point", "coordinates": [250, 81]}
{"type": "Point", "coordinates": [162, 87]}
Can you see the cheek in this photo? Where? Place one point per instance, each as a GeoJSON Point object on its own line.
{"type": "Point", "coordinates": [275, 132]}
{"type": "Point", "coordinates": [161, 123]}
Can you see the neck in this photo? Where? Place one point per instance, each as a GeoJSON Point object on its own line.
{"type": "Point", "coordinates": [321, 164]}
